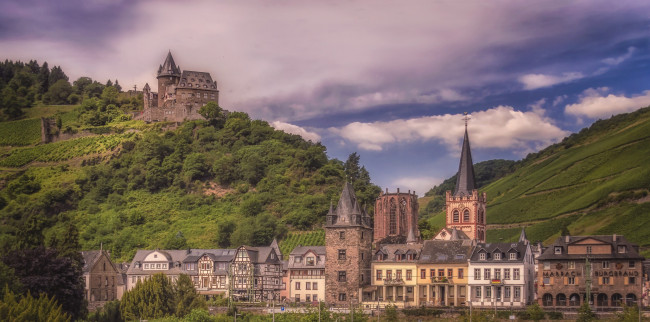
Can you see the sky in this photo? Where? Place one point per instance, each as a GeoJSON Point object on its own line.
{"type": "Point", "coordinates": [390, 80]}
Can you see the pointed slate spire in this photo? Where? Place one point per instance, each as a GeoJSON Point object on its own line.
{"type": "Point", "coordinates": [522, 236]}
{"type": "Point", "coordinates": [347, 212]}
{"type": "Point", "coordinates": [276, 247]}
{"type": "Point", "coordinates": [465, 181]}
{"type": "Point", "coordinates": [169, 68]}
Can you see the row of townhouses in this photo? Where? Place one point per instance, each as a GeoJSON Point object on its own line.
{"type": "Point", "coordinates": [384, 261]}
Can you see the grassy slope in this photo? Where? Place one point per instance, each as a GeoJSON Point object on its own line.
{"type": "Point", "coordinates": [564, 188]}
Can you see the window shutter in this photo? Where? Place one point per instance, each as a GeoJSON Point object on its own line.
{"type": "Point", "coordinates": [625, 280]}
{"type": "Point", "coordinates": [566, 280]}
{"type": "Point", "coordinates": [611, 281]}
{"type": "Point", "coordinates": [600, 281]}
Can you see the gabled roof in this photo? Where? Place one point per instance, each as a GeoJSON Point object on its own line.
{"type": "Point", "coordinates": [177, 257]}
{"type": "Point", "coordinates": [197, 80]}
{"type": "Point", "coordinates": [301, 250]}
{"type": "Point", "coordinates": [465, 180]}
{"type": "Point", "coordinates": [490, 248]}
{"type": "Point", "coordinates": [445, 251]}
{"type": "Point", "coordinates": [393, 250]}
{"type": "Point", "coordinates": [348, 212]}
{"type": "Point", "coordinates": [91, 257]}
{"type": "Point", "coordinates": [612, 240]}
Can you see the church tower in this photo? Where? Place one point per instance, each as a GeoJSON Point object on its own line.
{"type": "Point", "coordinates": [466, 206]}
{"type": "Point", "coordinates": [168, 76]}
{"type": "Point", "coordinates": [348, 240]}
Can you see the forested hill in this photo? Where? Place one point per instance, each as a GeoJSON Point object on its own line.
{"type": "Point", "coordinates": [222, 183]}
{"type": "Point", "coordinates": [596, 181]}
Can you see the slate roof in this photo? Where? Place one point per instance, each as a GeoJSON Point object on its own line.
{"type": "Point", "coordinates": [175, 258]}
{"type": "Point", "coordinates": [445, 251]}
{"type": "Point", "coordinates": [90, 257]}
{"type": "Point", "coordinates": [169, 68]}
{"type": "Point", "coordinates": [465, 181]}
{"type": "Point", "coordinates": [348, 212]}
{"type": "Point", "coordinates": [504, 248]}
{"type": "Point", "coordinates": [632, 250]}
{"type": "Point", "coordinates": [392, 250]}
{"type": "Point", "coordinates": [197, 80]}
{"type": "Point", "coordinates": [301, 251]}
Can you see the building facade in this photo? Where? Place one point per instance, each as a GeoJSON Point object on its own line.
{"type": "Point", "coordinates": [102, 279]}
{"type": "Point", "coordinates": [396, 217]}
{"type": "Point", "coordinates": [394, 275]}
{"type": "Point", "coordinates": [348, 240]}
{"type": "Point", "coordinates": [307, 274]}
{"type": "Point", "coordinates": [255, 274]}
{"type": "Point", "coordinates": [443, 270]}
{"type": "Point", "coordinates": [502, 274]}
{"type": "Point", "coordinates": [180, 94]}
{"type": "Point", "coordinates": [466, 207]}
{"type": "Point", "coordinates": [605, 270]}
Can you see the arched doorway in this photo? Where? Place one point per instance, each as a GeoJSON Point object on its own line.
{"type": "Point", "coordinates": [574, 299]}
{"type": "Point", "coordinates": [547, 300]}
{"type": "Point", "coordinates": [630, 299]}
{"type": "Point", "coordinates": [560, 300]}
{"type": "Point", "coordinates": [602, 300]}
{"type": "Point", "coordinates": [617, 299]}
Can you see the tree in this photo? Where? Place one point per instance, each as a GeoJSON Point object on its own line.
{"type": "Point", "coordinates": [535, 312]}
{"type": "Point", "coordinates": [8, 279]}
{"type": "Point", "coordinates": [109, 95]}
{"type": "Point", "coordinates": [57, 74]}
{"type": "Point", "coordinates": [109, 313]}
{"type": "Point", "coordinates": [79, 86]}
{"type": "Point", "coordinates": [28, 308]}
{"type": "Point", "coordinates": [44, 78]}
{"type": "Point", "coordinates": [68, 246]}
{"type": "Point", "coordinates": [176, 241]}
{"type": "Point", "coordinates": [585, 313]}
{"type": "Point", "coordinates": [42, 271]}
{"type": "Point", "coordinates": [213, 113]}
{"type": "Point", "coordinates": [390, 313]}
{"type": "Point", "coordinates": [629, 314]}
{"type": "Point", "coordinates": [117, 86]}
{"type": "Point", "coordinates": [224, 230]}
{"type": "Point", "coordinates": [194, 166]}
{"type": "Point", "coordinates": [151, 299]}
{"type": "Point", "coordinates": [109, 83]}
{"type": "Point", "coordinates": [186, 297]}
{"type": "Point", "coordinates": [58, 92]}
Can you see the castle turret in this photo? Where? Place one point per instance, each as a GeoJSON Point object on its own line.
{"type": "Point", "coordinates": [348, 239]}
{"type": "Point", "coordinates": [466, 207]}
{"type": "Point", "coordinates": [168, 76]}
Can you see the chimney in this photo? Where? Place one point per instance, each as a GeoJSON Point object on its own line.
{"type": "Point", "coordinates": [566, 239]}
{"type": "Point", "coordinates": [397, 190]}
{"type": "Point", "coordinates": [614, 237]}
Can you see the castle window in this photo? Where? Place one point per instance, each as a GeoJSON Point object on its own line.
{"type": "Point", "coordinates": [341, 234]}
{"type": "Point", "coordinates": [456, 216]}
{"type": "Point", "coordinates": [341, 254]}
{"type": "Point", "coordinates": [393, 218]}
{"type": "Point", "coordinates": [342, 276]}
{"type": "Point", "coordinates": [466, 215]}
{"type": "Point", "coordinates": [189, 85]}
{"type": "Point", "coordinates": [342, 297]}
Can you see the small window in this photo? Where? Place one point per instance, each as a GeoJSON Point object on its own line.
{"type": "Point", "coordinates": [341, 235]}
{"type": "Point", "coordinates": [632, 264]}
{"type": "Point", "coordinates": [558, 250]}
{"type": "Point", "coordinates": [481, 256]}
{"type": "Point", "coordinates": [297, 285]}
{"type": "Point", "coordinates": [378, 275]}
{"type": "Point", "coordinates": [605, 264]}
{"type": "Point", "coordinates": [631, 280]}
{"type": "Point", "coordinates": [547, 265]}
{"type": "Point", "coordinates": [341, 254]}
{"type": "Point", "coordinates": [477, 273]}
{"type": "Point", "coordinates": [513, 256]}
{"type": "Point", "coordinates": [571, 280]}
{"type": "Point", "coordinates": [588, 249]}
{"type": "Point", "coordinates": [622, 250]}
{"type": "Point", "coordinates": [497, 256]}
{"type": "Point", "coordinates": [572, 265]}
{"type": "Point", "coordinates": [342, 297]}
{"type": "Point", "coordinates": [310, 261]}
{"type": "Point", "coordinates": [342, 276]}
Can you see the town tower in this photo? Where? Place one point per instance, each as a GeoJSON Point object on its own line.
{"type": "Point", "coordinates": [466, 206]}
{"type": "Point", "coordinates": [348, 240]}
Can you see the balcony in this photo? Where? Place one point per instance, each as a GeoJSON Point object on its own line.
{"type": "Point", "coordinates": [391, 282]}
{"type": "Point", "coordinates": [442, 280]}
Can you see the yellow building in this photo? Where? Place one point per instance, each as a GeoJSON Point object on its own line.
{"type": "Point", "coordinates": [394, 275]}
{"type": "Point", "coordinates": [442, 272]}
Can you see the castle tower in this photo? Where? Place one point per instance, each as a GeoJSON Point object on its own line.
{"type": "Point", "coordinates": [348, 239]}
{"type": "Point", "coordinates": [396, 217]}
{"type": "Point", "coordinates": [146, 96]}
{"type": "Point", "coordinates": [466, 207]}
{"type": "Point", "coordinates": [168, 76]}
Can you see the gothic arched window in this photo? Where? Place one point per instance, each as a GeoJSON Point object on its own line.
{"type": "Point", "coordinates": [392, 224]}
{"type": "Point", "coordinates": [456, 217]}
{"type": "Point", "coordinates": [481, 220]}
{"type": "Point", "coordinates": [466, 215]}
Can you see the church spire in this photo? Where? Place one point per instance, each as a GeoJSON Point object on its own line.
{"type": "Point", "coordinates": [465, 181]}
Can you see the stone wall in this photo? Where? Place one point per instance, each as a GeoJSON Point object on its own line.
{"type": "Point", "coordinates": [356, 242]}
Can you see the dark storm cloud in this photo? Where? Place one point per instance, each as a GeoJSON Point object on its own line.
{"type": "Point", "coordinates": [77, 21]}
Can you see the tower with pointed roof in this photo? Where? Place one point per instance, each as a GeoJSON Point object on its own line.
{"type": "Point", "coordinates": [168, 76]}
{"type": "Point", "coordinates": [466, 206]}
{"type": "Point", "coordinates": [348, 240]}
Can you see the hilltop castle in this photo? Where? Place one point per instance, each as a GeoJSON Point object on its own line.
{"type": "Point", "coordinates": [180, 94]}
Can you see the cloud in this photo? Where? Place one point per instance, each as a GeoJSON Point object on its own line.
{"type": "Point", "coordinates": [538, 107]}
{"type": "Point", "coordinates": [597, 103]}
{"type": "Point", "coordinates": [501, 127]}
{"type": "Point", "coordinates": [534, 81]}
{"type": "Point", "coordinates": [418, 184]}
{"type": "Point", "coordinates": [617, 60]}
{"type": "Point", "coordinates": [294, 129]}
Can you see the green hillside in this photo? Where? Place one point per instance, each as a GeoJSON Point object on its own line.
{"type": "Point", "coordinates": [593, 182]}
{"type": "Point", "coordinates": [223, 183]}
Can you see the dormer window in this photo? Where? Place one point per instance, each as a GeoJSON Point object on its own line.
{"type": "Point", "coordinates": [622, 249]}
{"type": "Point", "coordinates": [298, 259]}
{"type": "Point", "coordinates": [558, 250]}
{"type": "Point", "coordinates": [310, 261]}
{"type": "Point", "coordinates": [481, 256]}
{"type": "Point", "coordinates": [497, 256]}
{"type": "Point", "coordinates": [513, 256]}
